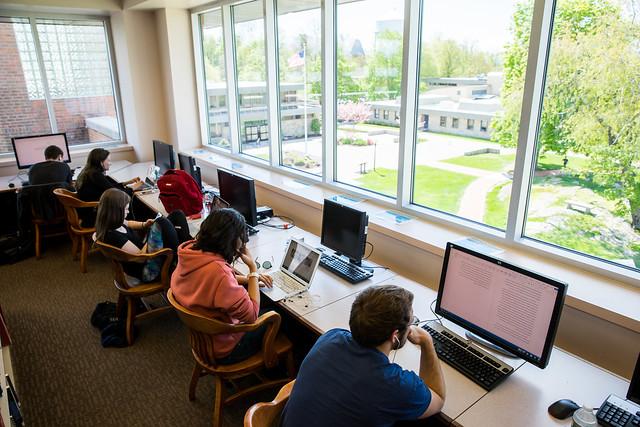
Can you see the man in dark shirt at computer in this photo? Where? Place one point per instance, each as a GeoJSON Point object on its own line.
{"type": "Point", "coordinates": [347, 378]}
{"type": "Point", "coordinates": [53, 169]}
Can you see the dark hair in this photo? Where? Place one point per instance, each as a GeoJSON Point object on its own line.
{"type": "Point", "coordinates": [219, 233]}
{"type": "Point", "coordinates": [110, 211]}
{"type": "Point", "coordinates": [93, 165]}
{"type": "Point", "coordinates": [52, 152]}
{"type": "Point", "coordinates": [377, 312]}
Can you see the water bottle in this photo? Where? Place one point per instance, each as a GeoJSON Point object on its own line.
{"type": "Point", "coordinates": [584, 417]}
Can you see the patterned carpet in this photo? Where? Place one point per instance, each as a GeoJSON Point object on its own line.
{"type": "Point", "coordinates": [63, 375]}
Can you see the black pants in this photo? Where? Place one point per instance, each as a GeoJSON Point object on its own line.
{"type": "Point", "coordinates": [249, 344]}
{"type": "Point", "coordinates": [175, 229]}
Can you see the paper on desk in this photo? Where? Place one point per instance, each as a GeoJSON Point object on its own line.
{"type": "Point", "coordinates": [393, 217]}
{"type": "Point", "coordinates": [346, 199]}
{"type": "Point", "coordinates": [478, 246]}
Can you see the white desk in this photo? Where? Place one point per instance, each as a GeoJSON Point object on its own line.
{"type": "Point", "coordinates": [523, 398]}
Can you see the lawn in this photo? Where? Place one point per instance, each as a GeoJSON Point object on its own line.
{"type": "Point", "coordinates": [435, 188]}
{"type": "Point", "coordinates": [496, 207]}
{"type": "Point", "coordinates": [503, 162]}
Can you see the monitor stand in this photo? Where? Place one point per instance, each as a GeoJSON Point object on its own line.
{"type": "Point", "coordinates": [481, 341]}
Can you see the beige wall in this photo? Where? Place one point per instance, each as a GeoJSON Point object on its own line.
{"type": "Point", "coordinates": [178, 77]}
{"type": "Point", "coordinates": [141, 86]}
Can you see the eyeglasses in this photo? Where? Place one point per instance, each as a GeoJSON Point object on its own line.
{"type": "Point", "coordinates": [265, 264]}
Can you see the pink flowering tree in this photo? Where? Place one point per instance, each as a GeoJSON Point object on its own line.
{"type": "Point", "coordinates": [353, 112]}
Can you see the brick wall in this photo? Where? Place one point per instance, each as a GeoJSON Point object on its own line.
{"type": "Point", "coordinates": [20, 115]}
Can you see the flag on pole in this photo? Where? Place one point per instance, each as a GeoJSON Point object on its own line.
{"type": "Point", "coordinates": [296, 60]}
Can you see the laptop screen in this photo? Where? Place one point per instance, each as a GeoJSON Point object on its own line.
{"type": "Point", "coordinates": [300, 261]}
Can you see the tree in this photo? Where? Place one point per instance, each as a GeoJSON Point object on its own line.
{"type": "Point", "coordinates": [385, 68]}
{"type": "Point", "coordinates": [592, 94]}
{"type": "Point", "coordinates": [353, 112]}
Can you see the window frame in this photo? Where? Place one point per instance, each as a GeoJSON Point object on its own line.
{"type": "Point", "coordinates": [33, 16]}
{"type": "Point", "coordinates": [513, 234]}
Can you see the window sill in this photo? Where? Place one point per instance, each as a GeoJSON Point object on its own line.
{"type": "Point", "coordinates": [596, 294]}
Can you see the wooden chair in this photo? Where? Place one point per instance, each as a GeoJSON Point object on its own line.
{"type": "Point", "coordinates": [80, 236]}
{"type": "Point", "coordinates": [266, 414]}
{"type": "Point", "coordinates": [202, 329]}
{"type": "Point", "coordinates": [47, 214]}
{"type": "Point", "coordinates": [130, 295]}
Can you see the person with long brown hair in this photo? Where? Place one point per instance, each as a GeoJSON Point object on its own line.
{"type": "Point", "coordinates": [136, 237]}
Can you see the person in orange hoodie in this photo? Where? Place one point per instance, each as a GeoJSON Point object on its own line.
{"type": "Point", "coordinates": [205, 282]}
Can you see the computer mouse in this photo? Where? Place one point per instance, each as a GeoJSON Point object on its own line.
{"type": "Point", "coordinates": [563, 408]}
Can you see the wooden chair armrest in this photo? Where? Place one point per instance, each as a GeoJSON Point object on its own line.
{"type": "Point", "coordinates": [266, 412]}
{"type": "Point", "coordinates": [272, 320]}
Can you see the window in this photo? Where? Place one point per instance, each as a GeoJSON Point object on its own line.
{"type": "Point", "coordinates": [483, 125]}
{"type": "Point", "coordinates": [369, 74]}
{"type": "Point", "coordinates": [251, 78]}
{"type": "Point", "coordinates": [79, 96]}
{"type": "Point", "coordinates": [376, 113]}
{"type": "Point", "coordinates": [462, 69]}
{"type": "Point", "coordinates": [585, 192]}
{"type": "Point", "coordinates": [215, 79]}
{"type": "Point", "coordinates": [300, 72]}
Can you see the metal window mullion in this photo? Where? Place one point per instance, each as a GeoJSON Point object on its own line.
{"type": "Point", "coordinates": [540, 39]}
{"type": "Point", "coordinates": [273, 88]}
{"type": "Point", "coordinates": [201, 85]}
{"type": "Point", "coordinates": [115, 86]}
{"type": "Point", "coordinates": [408, 100]}
{"type": "Point", "coordinates": [232, 81]}
{"type": "Point", "coordinates": [43, 76]}
{"type": "Point", "coordinates": [329, 70]}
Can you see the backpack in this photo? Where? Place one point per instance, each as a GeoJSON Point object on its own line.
{"type": "Point", "coordinates": [178, 190]}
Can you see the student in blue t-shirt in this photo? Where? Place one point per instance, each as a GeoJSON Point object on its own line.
{"type": "Point", "coordinates": [347, 378]}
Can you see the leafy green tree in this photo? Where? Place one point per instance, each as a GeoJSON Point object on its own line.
{"type": "Point", "coordinates": [385, 67]}
{"type": "Point", "coordinates": [592, 94]}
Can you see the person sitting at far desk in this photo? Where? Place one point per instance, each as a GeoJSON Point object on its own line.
{"type": "Point", "coordinates": [347, 378]}
{"type": "Point", "coordinates": [93, 181]}
{"type": "Point", "coordinates": [53, 169]}
{"type": "Point", "coordinates": [205, 282]}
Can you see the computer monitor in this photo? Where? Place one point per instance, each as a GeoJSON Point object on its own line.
{"type": "Point", "coordinates": [633, 394]}
{"type": "Point", "coordinates": [509, 306]}
{"type": "Point", "coordinates": [29, 150]}
{"type": "Point", "coordinates": [240, 192]}
{"type": "Point", "coordinates": [344, 229]}
{"type": "Point", "coordinates": [188, 164]}
{"type": "Point", "coordinates": [163, 156]}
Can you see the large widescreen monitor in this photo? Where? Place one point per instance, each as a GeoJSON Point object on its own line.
{"type": "Point", "coordinates": [240, 192]}
{"type": "Point", "coordinates": [509, 306]}
{"type": "Point", "coordinates": [163, 156]}
{"type": "Point", "coordinates": [344, 229]}
{"type": "Point", "coordinates": [29, 150]}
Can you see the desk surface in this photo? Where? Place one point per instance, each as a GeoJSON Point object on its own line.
{"type": "Point", "coordinates": [520, 400]}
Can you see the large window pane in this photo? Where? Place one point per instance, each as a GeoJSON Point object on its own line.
{"type": "Point", "coordinates": [472, 66]}
{"type": "Point", "coordinates": [585, 193]}
{"type": "Point", "coordinates": [248, 25]}
{"type": "Point", "coordinates": [300, 64]}
{"type": "Point", "coordinates": [215, 79]}
{"type": "Point", "coordinates": [369, 75]}
{"type": "Point", "coordinates": [77, 66]}
{"type": "Point", "coordinates": [23, 109]}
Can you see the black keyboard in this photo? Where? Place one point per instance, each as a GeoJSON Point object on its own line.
{"type": "Point", "coordinates": [351, 273]}
{"type": "Point", "coordinates": [252, 230]}
{"type": "Point", "coordinates": [618, 412]}
{"type": "Point", "coordinates": [478, 366]}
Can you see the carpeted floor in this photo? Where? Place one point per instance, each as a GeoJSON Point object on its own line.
{"type": "Point", "coordinates": [63, 375]}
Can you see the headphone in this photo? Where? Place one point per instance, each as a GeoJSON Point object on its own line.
{"type": "Point", "coordinates": [397, 342]}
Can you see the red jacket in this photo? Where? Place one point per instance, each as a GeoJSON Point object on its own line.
{"type": "Point", "coordinates": [205, 283]}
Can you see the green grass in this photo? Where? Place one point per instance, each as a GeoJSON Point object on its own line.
{"type": "Point", "coordinates": [496, 210]}
{"type": "Point", "coordinates": [553, 161]}
{"type": "Point", "coordinates": [435, 188]}
{"type": "Point", "coordinates": [489, 162]}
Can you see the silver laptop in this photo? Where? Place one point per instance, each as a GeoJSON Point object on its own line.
{"type": "Point", "coordinates": [296, 272]}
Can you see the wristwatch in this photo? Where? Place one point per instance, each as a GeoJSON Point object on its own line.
{"type": "Point", "coordinates": [254, 274]}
